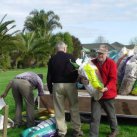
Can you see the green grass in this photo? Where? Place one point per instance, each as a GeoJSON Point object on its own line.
{"type": "Point", "coordinates": [127, 128]}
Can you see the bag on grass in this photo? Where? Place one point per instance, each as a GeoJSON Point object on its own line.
{"type": "Point", "coordinates": [46, 128]}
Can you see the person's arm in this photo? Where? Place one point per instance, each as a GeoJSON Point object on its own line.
{"type": "Point", "coordinates": [41, 94]}
{"type": "Point", "coordinates": [42, 99]}
{"type": "Point", "coordinates": [6, 90]}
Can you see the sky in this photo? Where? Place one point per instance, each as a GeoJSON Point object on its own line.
{"type": "Point", "coordinates": [115, 20]}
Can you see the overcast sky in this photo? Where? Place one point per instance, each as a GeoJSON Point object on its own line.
{"type": "Point", "coordinates": [116, 20]}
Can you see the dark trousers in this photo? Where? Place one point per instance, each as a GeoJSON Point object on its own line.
{"type": "Point", "coordinates": [109, 108]}
{"type": "Point", "coordinates": [22, 89]}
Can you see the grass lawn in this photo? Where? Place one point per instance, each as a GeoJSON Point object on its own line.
{"type": "Point", "coordinates": [127, 127]}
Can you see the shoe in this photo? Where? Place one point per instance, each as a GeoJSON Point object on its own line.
{"type": "Point", "coordinates": [77, 133]}
{"type": "Point", "coordinates": [19, 125]}
{"type": "Point", "coordinates": [61, 135]}
{"type": "Point", "coordinates": [113, 134]}
{"type": "Point", "coordinates": [16, 126]}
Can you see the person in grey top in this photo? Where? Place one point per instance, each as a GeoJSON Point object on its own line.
{"type": "Point", "coordinates": [22, 88]}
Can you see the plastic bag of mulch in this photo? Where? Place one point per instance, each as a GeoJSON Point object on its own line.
{"type": "Point", "coordinates": [134, 90]}
{"type": "Point", "coordinates": [126, 86]}
{"type": "Point", "coordinates": [91, 72]}
{"type": "Point", "coordinates": [46, 128]}
{"type": "Point", "coordinates": [121, 69]}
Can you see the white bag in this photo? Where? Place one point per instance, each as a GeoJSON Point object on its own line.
{"type": "Point", "coordinates": [2, 103]}
{"type": "Point", "coordinates": [9, 125]}
{"type": "Point", "coordinates": [10, 122]}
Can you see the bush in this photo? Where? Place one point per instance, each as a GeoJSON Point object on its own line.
{"type": "Point", "coordinates": [5, 62]}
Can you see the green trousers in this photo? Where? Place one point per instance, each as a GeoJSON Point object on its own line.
{"type": "Point", "coordinates": [109, 107]}
{"type": "Point", "coordinates": [62, 92]}
{"type": "Point", "coordinates": [22, 89]}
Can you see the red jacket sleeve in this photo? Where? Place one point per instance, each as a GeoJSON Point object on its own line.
{"type": "Point", "coordinates": [112, 80]}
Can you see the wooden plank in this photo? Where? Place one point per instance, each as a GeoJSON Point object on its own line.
{"type": "Point", "coordinates": [125, 105]}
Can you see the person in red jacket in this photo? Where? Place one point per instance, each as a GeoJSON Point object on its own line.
{"type": "Point", "coordinates": [108, 70]}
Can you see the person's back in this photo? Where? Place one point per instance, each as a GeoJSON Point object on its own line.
{"type": "Point", "coordinates": [62, 70]}
{"type": "Point", "coordinates": [61, 80]}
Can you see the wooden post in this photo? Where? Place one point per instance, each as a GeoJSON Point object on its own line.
{"type": "Point", "coordinates": [5, 122]}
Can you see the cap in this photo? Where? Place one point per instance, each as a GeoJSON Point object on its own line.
{"type": "Point", "coordinates": [103, 49]}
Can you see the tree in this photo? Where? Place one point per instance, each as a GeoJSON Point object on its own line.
{"type": "Point", "coordinates": [6, 41]}
{"type": "Point", "coordinates": [6, 38]}
{"type": "Point", "coordinates": [65, 37]}
{"type": "Point", "coordinates": [41, 22]}
{"type": "Point", "coordinates": [134, 41]}
{"type": "Point", "coordinates": [77, 47]}
{"type": "Point", "coordinates": [27, 43]}
{"type": "Point", "coordinates": [101, 39]}
{"type": "Point", "coordinates": [34, 50]}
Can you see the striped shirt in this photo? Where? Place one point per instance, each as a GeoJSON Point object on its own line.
{"type": "Point", "coordinates": [34, 79]}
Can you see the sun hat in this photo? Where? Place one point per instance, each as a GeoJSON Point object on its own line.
{"type": "Point", "coordinates": [103, 49]}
